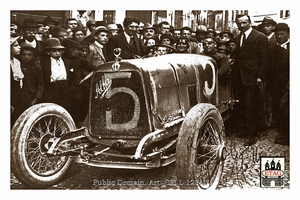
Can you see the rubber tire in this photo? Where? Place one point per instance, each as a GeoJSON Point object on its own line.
{"type": "Point", "coordinates": [188, 134]}
{"type": "Point", "coordinates": [19, 135]}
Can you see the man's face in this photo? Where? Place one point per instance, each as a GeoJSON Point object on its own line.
{"type": "Point", "coordinates": [72, 24]}
{"type": "Point", "coordinates": [161, 50]}
{"type": "Point", "coordinates": [186, 34]}
{"type": "Point", "coordinates": [181, 45]}
{"type": "Point", "coordinates": [150, 42]}
{"type": "Point", "coordinates": [29, 34]}
{"type": "Point", "coordinates": [148, 33]}
{"type": "Point", "coordinates": [200, 36]}
{"type": "Point", "coordinates": [166, 41]}
{"type": "Point", "coordinates": [13, 30]}
{"type": "Point", "coordinates": [209, 45]}
{"type": "Point", "coordinates": [243, 23]}
{"type": "Point", "coordinates": [15, 48]}
{"type": "Point", "coordinates": [232, 46]}
{"type": "Point", "coordinates": [79, 35]}
{"type": "Point", "coordinates": [268, 28]}
{"type": "Point", "coordinates": [282, 36]}
{"type": "Point", "coordinates": [75, 52]}
{"type": "Point", "coordinates": [131, 29]}
{"type": "Point", "coordinates": [176, 34]}
{"type": "Point", "coordinates": [164, 29]}
{"type": "Point", "coordinates": [55, 53]}
{"type": "Point", "coordinates": [102, 37]}
{"type": "Point", "coordinates": [26, 56]}
{"type": "Point", "coordinates": [84, 52]}
{"type": "Point", "coordinates": [92, 27]}
{"type": "Point", "coordinates": [62, 35]}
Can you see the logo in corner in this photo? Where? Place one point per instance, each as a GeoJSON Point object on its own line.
{"type": "Point", "coordinates": [272, 171]}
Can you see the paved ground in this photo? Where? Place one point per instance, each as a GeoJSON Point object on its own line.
{"type": "Point", "coordinates": [241, 170]}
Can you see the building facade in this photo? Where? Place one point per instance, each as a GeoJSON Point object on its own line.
{"type": "Point", "coordinates": [216, 19]}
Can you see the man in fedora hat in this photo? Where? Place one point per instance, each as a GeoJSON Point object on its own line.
{"type": "Point", "coordinates": [30, 30]}
{"type": "Point", "coordinates": [268, 25]}
{"type": "Point", "coordinates": [226, 35]}
{"type": "Point", "coordinates": [58, 75]}
{"type": "Point", "coordinates": [149, 32]}
{"type": "Point", "coordinates": [113, 29]}
{"type": "Point", "coordinates": [49, 21]}
{"type": "Point", "coordinates": [278, 81]}
{"type": "Point", "coordinates": [96, 55]}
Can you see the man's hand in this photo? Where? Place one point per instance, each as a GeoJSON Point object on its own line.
{"type": "Point", "coordinates": [258, 82]}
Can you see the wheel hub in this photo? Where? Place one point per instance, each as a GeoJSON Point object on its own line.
{"type": "Point", "coordinates": [45, 143]}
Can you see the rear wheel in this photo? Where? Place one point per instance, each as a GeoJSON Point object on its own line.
{"type": "Point", "coordinates": [31, 137]}
{"type": "Point", "coordinates": [200, 148]}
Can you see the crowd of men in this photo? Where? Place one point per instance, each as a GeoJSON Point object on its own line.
{"type": "Point", "coordinates": [48, 60]}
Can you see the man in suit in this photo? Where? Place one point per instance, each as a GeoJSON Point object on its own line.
{"type": "Point", "coordinates": [278, 81]}
{"type": "Point", "coordinates": [131, 45]}
{"type": "Point", "coordinates": [252, 56]}
{"type": "Point", "coordinates": [30, 30]}
{"type": "Point", "coordinates": [96, 55]}
{"type": "Point", "coordinates": [268, 25]}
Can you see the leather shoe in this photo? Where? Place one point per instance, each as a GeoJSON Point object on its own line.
{"type": "Point", "coordinates": [250, 142]}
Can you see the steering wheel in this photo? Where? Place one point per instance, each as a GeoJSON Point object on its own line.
{"type": "Point", "coordinates": [170, 49]}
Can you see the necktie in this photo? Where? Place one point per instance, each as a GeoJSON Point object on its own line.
{"type": "Point", "coordinates": [243, 39]}
{"type": "Point", "coordinates": [131, 41]}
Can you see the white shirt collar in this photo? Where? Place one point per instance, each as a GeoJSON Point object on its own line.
{"type": "Point", "coordinates": [127, 36]}
{"type": "Point", "coordinates": [56, 60]}
{"type": "Point", "coordinates": [284, 45]}
{"type": "Point", "coordinates": [98, 44]}
{"type": "Point", "coordinates": [269, 36]}
{"type": "Point", "coordinates": [33, 43]}
{"type": "Point", "coordinates": [247, 32]}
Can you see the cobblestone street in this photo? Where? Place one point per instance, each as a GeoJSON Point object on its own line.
{"type": "Point", "coordinates": [241, 170]}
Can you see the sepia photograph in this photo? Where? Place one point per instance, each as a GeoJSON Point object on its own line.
{"type": "Point", "coordinates": [145, 99]}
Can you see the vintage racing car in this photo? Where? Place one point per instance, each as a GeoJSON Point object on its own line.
{"type": "Point", "coordinates": [143, 113]}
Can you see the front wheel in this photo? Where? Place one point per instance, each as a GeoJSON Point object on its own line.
{"type": "Point", "coordinates": [200, 148]}
{"type": "Point", "coordinates": [31, 136]}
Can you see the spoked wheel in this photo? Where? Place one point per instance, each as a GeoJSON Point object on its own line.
{"type": "Point", "coordinates": [200, 150]}
{"type": "Point", "coordinates": [31, 137]}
